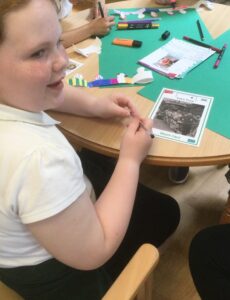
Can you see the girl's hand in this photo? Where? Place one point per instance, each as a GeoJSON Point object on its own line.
{"type": "Point", "coordinates": [116, 105]}
{"type": "Point", "coordinates": [136, 141]}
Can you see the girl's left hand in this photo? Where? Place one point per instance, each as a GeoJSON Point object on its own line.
{"type": "Point", "coordinates": [116, 105]}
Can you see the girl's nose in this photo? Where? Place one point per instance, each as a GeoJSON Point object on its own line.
{"type": "Point", "coordinates": [61, 60]}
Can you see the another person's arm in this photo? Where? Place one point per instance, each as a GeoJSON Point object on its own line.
{"type": "Point", "coordinates": [96, 27]}
{"type": "Point", "coordinates": [95, 11]}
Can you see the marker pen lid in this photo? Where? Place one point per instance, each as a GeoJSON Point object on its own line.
{"type": "Point", "coordinates": [122, 26]}
{"type": "Point", "coordinates": [136, 43]}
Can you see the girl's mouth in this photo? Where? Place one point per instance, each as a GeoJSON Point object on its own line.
{"type": "Point", "coordinates": [56, 85]}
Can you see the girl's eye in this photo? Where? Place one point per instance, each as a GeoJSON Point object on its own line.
{"type": "Point", "coordinates": [43, 52]}
{"type": "Point", "coordinates": [38, 54]}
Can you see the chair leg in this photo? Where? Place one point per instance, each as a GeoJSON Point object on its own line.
{"type": "Point", "coordinates": [225, 217]}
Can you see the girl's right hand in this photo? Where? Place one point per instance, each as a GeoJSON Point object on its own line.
{"type": "Point", "coordinates": [136, 141]}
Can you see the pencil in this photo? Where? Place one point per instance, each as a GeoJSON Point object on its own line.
{"type": "Point", "coordinates": [148, 131]}
{"type": "Point", "coordinates": [200, 30]}
{"type": "Point", "coordinates": [100, 9]}
{"type": "Point", "coordinates": [220, 56]}
{"type": "Point", "coordinates": [218, 50]}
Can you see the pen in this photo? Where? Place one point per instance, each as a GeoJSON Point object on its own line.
{"type": "Point", "coordinates": [128, 26]}
{"type": "Point", "coordinates": [173, 3]}
{"type": "Point", "coordinates": [127, 42]}
{"type": "Point", "coordinates": [100, 9]}
{"type": "Point", "coordinates": [220, 56]}
{"type": "Point", "coordinates": [148, 131]}
{"type": "Point", "coordinates": [202, 44]}
{"type": "Point", "coordinates": [140, 21]}
{"type": "Point", "coordinates": [200, 30]}
{"type": "Point", "coordinates": [151, 9]}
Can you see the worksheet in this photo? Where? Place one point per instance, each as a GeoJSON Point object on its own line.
{"type": "Point", "coordinates": [180, 116]}
{"type": "Point", "coordinates": [176, 58]}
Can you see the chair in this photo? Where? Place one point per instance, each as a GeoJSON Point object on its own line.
{"type": "Point", "coordinates": [225, 216]}
{"type": "Point", "coordinates": [7, 293]}
{"type": "Point", "coordinates": [134, 282]}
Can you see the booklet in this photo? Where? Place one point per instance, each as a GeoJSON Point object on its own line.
{"type": "Point", "coordinates": [180, 116]}
{"type": "Point", "coordinates": [176, 58]}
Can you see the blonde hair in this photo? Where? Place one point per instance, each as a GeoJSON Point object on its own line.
{"type": "Point", "coordinates": [8, 6]}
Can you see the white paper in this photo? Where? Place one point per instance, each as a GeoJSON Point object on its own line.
{"type": "Point", "coordinates": [72, 66]}
{"type": "Point", "coordinates": [94, 48]}
{"type": "Point", "coordinates": [176, 58]}
{"type": "Point", "coordinates": [180, 116]}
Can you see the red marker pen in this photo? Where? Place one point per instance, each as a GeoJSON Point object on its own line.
{"type": "Point", "coordinates": [127, 42]}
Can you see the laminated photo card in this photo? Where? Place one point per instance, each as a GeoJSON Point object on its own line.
{"type": "Point", "coordinates": [180, 116]}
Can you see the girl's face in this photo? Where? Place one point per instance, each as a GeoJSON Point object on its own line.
{"type": "Point", "coordinates": [32, 59]}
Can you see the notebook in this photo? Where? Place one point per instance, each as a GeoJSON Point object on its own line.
{"type": "Point", "coordinates": [176, 58]}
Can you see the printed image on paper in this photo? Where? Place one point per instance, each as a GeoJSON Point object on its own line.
{"type": "Point", "coordinates": [166, 62]}
{"type": "Point", "coordinates": [180, 116]}
{"type": "Point", "coordinates": [73, 65]}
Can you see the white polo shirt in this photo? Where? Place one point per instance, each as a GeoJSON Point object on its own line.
{"type": "Point", "coordinates": [40, 175]}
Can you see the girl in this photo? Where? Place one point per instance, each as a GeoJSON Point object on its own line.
{"type": "Point", "coordinates": [55, 243]}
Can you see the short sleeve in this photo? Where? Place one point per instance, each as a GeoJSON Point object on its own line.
{"type": "Point", "coordinates": [47, 181]}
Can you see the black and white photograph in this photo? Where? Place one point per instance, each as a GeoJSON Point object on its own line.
{"type": "Point", "coordinates": [180, 116]}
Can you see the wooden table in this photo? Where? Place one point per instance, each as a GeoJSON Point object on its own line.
{"type": "Point", "coordinates": [104, 135]}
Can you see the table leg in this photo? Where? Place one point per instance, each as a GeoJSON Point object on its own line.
{"type": "Point", "coordinates": [225, 217]}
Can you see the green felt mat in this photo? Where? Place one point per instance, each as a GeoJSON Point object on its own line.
{"type": "Point", "coordinates": [204, 79]}
{"type": "Point", "coordinates": [118, 59]}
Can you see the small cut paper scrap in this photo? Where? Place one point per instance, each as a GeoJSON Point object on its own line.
{"type": "Point", "coordinates": [142, 76]}
{"type": "Point", "coordinates": [95, 48]}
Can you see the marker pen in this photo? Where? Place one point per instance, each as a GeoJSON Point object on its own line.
{"type": "Point", "coordinates": [125, 26]}
{"type": "Point", "coordinates": [100, 9]}
{"type": "Point", "coordinates": [127, 42]}
{"type": "Point", "coordinates": [140, 21]}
